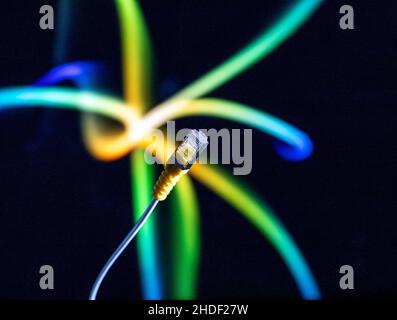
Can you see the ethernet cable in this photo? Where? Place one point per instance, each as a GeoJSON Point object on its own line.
{"type": "Point", "coordinates": [177, 166]}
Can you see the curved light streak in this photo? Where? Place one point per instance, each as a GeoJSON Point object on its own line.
{"type": "Point", "coordinates": [300, 145]}
{"type": "Point", "coordinates": [136, 54]}
{"type": "Point", "coordinates": [250, 206]}
{"type": "Point", "coordinates": [294, 17]}
{"type": "Point", "coordinates": [64, 98]}
{"type": "Point", "coordinates": [245, 201]}
{"type": "Point", "coordinates": [256, 50]}
{"type": "Point", "coordinates": [108, 145]}
{"type": "Point", "coordinates": [103, 140]}
{"type": "Point", "coordinates": [83, 73]}
{"type": "Point", "coordinates": [117, 110]}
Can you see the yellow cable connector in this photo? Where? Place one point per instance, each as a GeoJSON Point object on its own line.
{"type": "Point", "coordinates": [179, 163]}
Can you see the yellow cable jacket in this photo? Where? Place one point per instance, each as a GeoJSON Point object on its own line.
{"type": "Point", "coordinates": [167, 180]}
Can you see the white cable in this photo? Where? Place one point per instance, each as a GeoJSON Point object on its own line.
{"type": "Point", "coordinates": [138, 225]}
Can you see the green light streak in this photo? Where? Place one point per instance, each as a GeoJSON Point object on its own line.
{"type": "Point", "coordinates": [186, 240]}
{"type": "Point", "coordinates": [136, 56]}
{"type": "Point", "coordinates": [137, 70]}
{"type": "Point", "coordinates": [244, 200]}
{"type": "Point", "coordinates": [142, 177]}
{"type": "Point", "coordinates": [256, 50]}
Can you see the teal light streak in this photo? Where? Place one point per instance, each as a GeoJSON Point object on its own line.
{"type": "Point", "coordinates": [256, 50]}
{"type": "Point", "coordinates": [243, 199]}
{"type": "Point", "coordinates": [185, 240]}
{"type": "Point", "coordinates": [142, 181]}
{"type": "Point", "coordinates": [64, 98]}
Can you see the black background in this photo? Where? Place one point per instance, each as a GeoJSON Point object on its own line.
{"type": "Point", "coordinates": [61, 207]}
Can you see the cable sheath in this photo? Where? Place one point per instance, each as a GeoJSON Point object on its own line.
{"type": "Point", "coordinates": [131, 235]}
